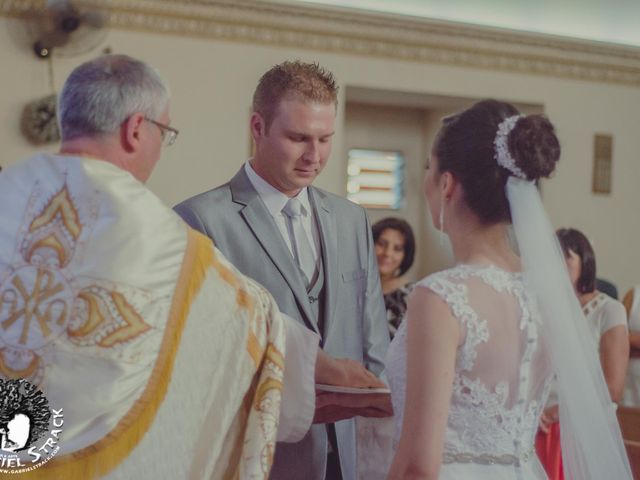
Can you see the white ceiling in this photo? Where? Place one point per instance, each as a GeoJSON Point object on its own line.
{"type": "Point", "coordinates": [613, 21]}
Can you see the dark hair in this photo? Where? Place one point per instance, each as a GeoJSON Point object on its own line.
{"type": "Point", "coordinates": [574, 240]}
{"type": "Point", "coordinates": [404, 228]}
{"type": "Point", "coordinates": [465, 147]}
{"type": "Point", "coordinates": [304, 81]}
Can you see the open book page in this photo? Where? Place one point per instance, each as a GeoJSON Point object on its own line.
{"type": "Point", "coordinates": [336, 389]}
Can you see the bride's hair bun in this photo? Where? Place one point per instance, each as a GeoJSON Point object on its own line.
{"type": "Point", "coordinates": [465, 146]}
{"type": "Point", "coordinates": [534, 146]}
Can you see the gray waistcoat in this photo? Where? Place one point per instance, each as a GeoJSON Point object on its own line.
{"type": "Point", "coordinates": [316, 295]}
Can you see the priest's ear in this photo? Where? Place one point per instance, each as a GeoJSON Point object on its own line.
{"type": "Point", "coordinates": [132, 132]}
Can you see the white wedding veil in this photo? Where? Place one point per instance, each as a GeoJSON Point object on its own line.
{"type": "Point", "coordinates": [592, 446]}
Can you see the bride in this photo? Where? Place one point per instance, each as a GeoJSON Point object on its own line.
{"type": "Point", "coordinates": [470, 368]}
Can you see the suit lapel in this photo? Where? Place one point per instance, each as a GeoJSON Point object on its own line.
{"type": "Point", "coordinates": [329, 241]}
{"type": "Point", "coordinates": [261, 223]}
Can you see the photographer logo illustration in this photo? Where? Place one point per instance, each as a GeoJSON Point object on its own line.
{"type": "Point", "coordinates": [29, 429]}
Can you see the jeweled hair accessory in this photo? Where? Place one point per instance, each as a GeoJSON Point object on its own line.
{"type": "Point", "coordinates": [501, 146]}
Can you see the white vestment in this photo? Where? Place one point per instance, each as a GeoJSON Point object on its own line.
{"type": "Point", "coordinates": [167, 361]}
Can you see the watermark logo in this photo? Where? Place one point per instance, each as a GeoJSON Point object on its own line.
{"type": "Point", "coordinates": [29, 429]}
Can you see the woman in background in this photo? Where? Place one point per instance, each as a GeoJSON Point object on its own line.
{"type": "Point", "coordinates": [395, 250]}
{"type": "Point", "coordinates": [631, 302]}
{"type": "Point", "coordinates": [607, 323]}
{"type": "Point", "coordinates": [606, 317]}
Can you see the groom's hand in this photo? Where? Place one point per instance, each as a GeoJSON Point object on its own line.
{"type": "Point", "coordinates": [344, 372]}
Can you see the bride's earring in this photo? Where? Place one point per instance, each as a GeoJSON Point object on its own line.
{"type": "Point", "coordinates": [441, 224]}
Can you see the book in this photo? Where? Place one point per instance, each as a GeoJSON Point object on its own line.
{"type": "Point", "coordinates": [337, 389]}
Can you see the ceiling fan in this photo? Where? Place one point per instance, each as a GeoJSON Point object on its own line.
{"type": "Point", "coordinates": [56, 28]}
{"type": "Point", "coordinates": [65, 28]}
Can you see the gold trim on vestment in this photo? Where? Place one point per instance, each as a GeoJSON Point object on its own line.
{"type": "Point", "coordinates": [103, 456]}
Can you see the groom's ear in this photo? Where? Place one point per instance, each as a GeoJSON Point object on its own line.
{"type": "Point", "coordinates": [257, 126]}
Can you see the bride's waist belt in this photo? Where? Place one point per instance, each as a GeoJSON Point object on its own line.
{"type": "Point", "coordinates": [487, 459]}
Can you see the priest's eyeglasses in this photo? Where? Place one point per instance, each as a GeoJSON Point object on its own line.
{"type": "Point", "coordinates": [169, 134]}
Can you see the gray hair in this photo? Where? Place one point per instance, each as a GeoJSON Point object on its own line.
{"type": "Point", "coordinates": [101, 94]}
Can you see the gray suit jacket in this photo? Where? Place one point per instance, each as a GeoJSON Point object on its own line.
{"type": "Point", "coordinates": [237, 220]}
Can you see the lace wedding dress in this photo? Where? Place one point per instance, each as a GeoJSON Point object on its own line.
{"type": "Point", "coordinates": [501, 380]}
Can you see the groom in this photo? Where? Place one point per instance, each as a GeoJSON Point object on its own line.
{"type": "Point", "coordinates": [312, 250]}
{"type": "Point", "coordinates": [146, 349]}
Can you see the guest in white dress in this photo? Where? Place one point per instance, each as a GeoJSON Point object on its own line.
{"type": "Point", "coordinates": [606, 316]}
{"type": "Point", "coordinates": [471, 366]}
{"type": "Point", "coordinates": [631, 396]}
{"type": "Point", "coordinates": [607, 324]}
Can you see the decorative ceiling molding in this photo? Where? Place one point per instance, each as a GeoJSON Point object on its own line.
{"type": "Point", "coordinates": [367, 34]}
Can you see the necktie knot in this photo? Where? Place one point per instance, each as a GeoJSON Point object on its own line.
{"type": "Point", "coordinates": [293, 208]}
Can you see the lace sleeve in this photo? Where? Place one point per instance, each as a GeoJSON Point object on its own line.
{"type": "Point", "coordinates": [451, 288]}
{"type": "Point", "coordinates": [450, 291]}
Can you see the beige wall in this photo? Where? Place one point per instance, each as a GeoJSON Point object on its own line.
{"type": "Point", "coordinates": [212, 83]}
{"type": "Point", "coordinates": [396, 129]}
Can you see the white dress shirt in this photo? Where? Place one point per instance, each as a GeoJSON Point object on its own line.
{"type": "Point", "coordinates": [275, 201]}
